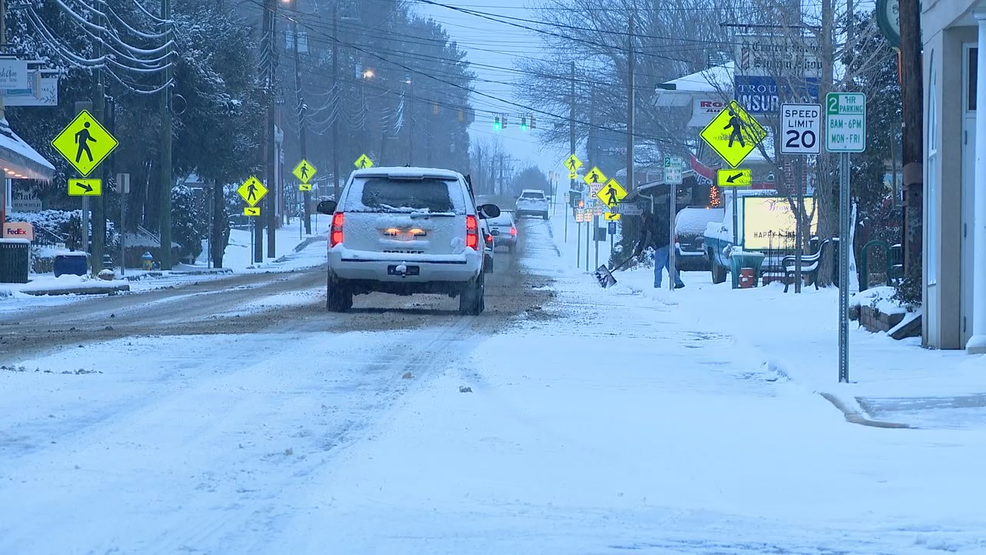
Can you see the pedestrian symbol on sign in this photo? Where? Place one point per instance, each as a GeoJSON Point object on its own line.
{"type": "Point", "coordinates": [82, 138]}
{"type": "Point", "coordinates": [737, 125]}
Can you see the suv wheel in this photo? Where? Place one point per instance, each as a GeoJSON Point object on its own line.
{"type": "Point", "coordinates": [338, 297]}
{"type": "Point", "coordinates": [471, 300]}
{"type": "Point", "coordinates": [718, 272]}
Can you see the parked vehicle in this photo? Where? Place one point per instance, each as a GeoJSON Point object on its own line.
{"type": "Point", "coordinates": [504, 230]}
{"type": "Point", "coordinates": [406, 231]}
{"type": "Point", "coordinates": [689, 229]}
{"type": "Point", "coordinates": [532, 202]}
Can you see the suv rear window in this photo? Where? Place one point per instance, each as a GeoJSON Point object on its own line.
{"type": "Point", "coordinates": [533, 194]}
{"type": "Point", "coordinates": [381, 194]}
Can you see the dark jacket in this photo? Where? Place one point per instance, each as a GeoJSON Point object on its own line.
{"type": "Point", "coordinates": [654, 232]}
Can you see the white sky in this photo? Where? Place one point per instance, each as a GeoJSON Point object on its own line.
{"type": "Point", "coordinates": [488, 43]}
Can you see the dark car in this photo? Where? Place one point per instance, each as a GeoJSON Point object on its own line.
{"type": "Point", "coordinates": [689, 231]}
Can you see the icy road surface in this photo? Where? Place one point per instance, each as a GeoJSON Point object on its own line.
{"type": "Point", "coordinates": [237, 416]}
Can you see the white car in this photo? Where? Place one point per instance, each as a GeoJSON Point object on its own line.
{"type": "Point", "coordinates": [532, 202]}
{"type": "Point", "coordinates": [405, 231]}
{"type": "Point", "coordinates": [504, 230]}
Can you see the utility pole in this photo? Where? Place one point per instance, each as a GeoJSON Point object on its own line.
{"type": "Point", "coordinates": [98, 204]}
{"type": "Point", "coordinates": [302, 111]}
{"type": "Point", "coordinates": [410, 128]}
{"type": "Point", "coordinates": [336, 89]}
{"type": "Point", "coordinates": [631, 61]}
{"type": "Point", "coordinates": [271, 170]}
{"type": "Point", "coordinates": [571, 141]}
{"type": "Point", "coordinates": [912, 96]}
{"type": "Point", "coordinates": [826, 206]}
{"type": "Point", "coordinates": [166, 177]}
{"type": "Point", "coordinates": [267, 67]}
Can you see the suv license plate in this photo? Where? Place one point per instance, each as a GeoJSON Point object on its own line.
{"type": "Point", "coordinates": [411, 271]}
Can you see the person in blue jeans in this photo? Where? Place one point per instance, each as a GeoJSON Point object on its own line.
{"type": "Point", "coordinates": [655, 232]}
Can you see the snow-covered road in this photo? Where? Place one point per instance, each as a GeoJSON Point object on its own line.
{"type": "Point", "coordinates": [596, 421]}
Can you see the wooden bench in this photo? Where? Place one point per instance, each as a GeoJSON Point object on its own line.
{"type": "Point", "coordinates": [809, 265]}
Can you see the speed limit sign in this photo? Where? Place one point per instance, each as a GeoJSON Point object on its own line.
{"type": "Point", "coordinates": [800, 125]}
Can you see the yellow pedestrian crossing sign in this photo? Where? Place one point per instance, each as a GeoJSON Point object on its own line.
{"type": "Point", "coordinates": [304, 171]}
{"type": "Point", "coordinates": [572, 164]}
{"type": "Point", "coordinates": [612, 193]}
{"type": "Point", "coordinates": [85, 143]}
{"type": "Point", "coordinates": [305, 187]}
{"type": "Point", "coordinates": [85, 187]}
{"type": "Point", "coordinates": [363, 162]}
{"type": "Point", "coordinates": [594, 176]}
{"type": "Point", "coordinates": [251, 210]}
{"type": "Point", "coordinates": [740, 177]}
{"type": "Point", "coordinates": [611, 216]}
{"type": "Point", "coordinates": [252, 191]}
{"type": "Point", "coordinates": [733, 134]}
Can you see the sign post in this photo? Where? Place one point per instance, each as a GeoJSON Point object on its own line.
{"type": "Point", "coordinates": [845, 132]}
{"type": "Point", "coordinates": [800, 125]}
{"type": "Point", "coordinates": [123, 187]}
{"type": "Point", "coordinates": [672, 176]}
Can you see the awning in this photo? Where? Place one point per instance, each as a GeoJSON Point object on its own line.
{"type": "Point", "coordinates": [19, 160]}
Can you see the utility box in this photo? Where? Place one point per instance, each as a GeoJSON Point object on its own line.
{"type": "Point", "coordinates": [71, 263]}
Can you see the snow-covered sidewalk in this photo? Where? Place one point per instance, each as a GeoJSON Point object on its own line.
{"type": "Point", "coordinates": [796, 336]}
{"type": "Point", "coordinates": [294, 251]}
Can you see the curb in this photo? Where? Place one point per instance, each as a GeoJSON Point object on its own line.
{"type": "Point", "coordinates": [301, 246]}
{"type": "Point", "coordinates": [857, 417]}
{"type": "Point", "coordinates": [78, 291]}
{"type": "Point", "coordinates": [161, 274]}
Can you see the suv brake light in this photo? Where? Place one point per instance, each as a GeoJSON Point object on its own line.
{"type": "Point", "coordinates": [472, 232]}
{"type": "Point", "coordinates": [336, 236]}
{"type": "Point", "coordinates": [513, 231]}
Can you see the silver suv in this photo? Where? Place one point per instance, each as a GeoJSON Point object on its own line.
{"type": "Point", "coordinates": [405, 231]}
{"type": "Point", "coordinates": [532, 202]}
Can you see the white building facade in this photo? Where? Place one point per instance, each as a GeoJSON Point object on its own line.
{"type": "Point", "coordinates": [954, 36]}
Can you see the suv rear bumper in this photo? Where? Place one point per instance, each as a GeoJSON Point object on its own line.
{"type": "Point", "coordinates": [375, 267]}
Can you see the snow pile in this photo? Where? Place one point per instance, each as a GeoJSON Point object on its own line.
{"type": "Point", "coordinates": [695, 221]}
{"type": "Point", "coordinates": [880, 299]}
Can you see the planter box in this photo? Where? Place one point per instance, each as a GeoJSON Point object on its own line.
{"type": "Point", "coordinates": [876, 321]}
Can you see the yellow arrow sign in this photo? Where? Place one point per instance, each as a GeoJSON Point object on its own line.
{"type": "Point", "coordinates": [251, 210]}
{"type": "Point", "coordinates": [611, 216]}
{"type": "Point", "coordinates": [572, 164]}
{"type": "Point", "coordinates": [363, 162]}
{"type": "Point", "coordinates": [85, 187]}
{"type": "Point", "coordinates": [733, 134]}
{"type": "Point", "coordinates": [594, 176]}
{"type": "Point", "coordinates": [305, 187]}
{"type": "Point", "coordinates": [612, 193]}
{"type": "Point", "coordinates": [85, 143]}
{"type": "Point", "coordinates": [252, 191]}
{"type": "Point", "coordinates": [304, 171]}
{"type": "Point", "coordinates": [740, 177]}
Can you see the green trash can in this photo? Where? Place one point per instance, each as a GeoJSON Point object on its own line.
{"type": "Point", "coordinates": [738, 261]}
{"type": "Point", "coordinates": [15, 260]}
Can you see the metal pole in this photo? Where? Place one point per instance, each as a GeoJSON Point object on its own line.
{"type": "Point", "coordinates": [123, 229]}
{"type": "Point", "coordinates": [799, 219]}
{"type": "Point", "coordinates": [85, 225]}
{"type": "Point", "coordinates": [578, 248]}
{"type": "Point", "coordinates": [595, 237]}
{"type": "Point", "coordinates": [336, 89]}
{"type": "Point", "coordinates": [844, 240]}
{"type": "Point", "coordinates": [735, 217]}
{"type": "Point", "coordinates": [208, 246]}
{"type": "Point", "coordinates": [673, 212]}
{"type": "Point", "coordinates": [587, 237]}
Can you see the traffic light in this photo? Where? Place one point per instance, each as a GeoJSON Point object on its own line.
{"type": "Point", "coordinates": [504, 118]}
{"type": "Point", "coordinates": [523, 123]}
{"type": "Point", "coordinates": [533, 123]}
{"type": "Point", "coordinates": [497, 124]}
